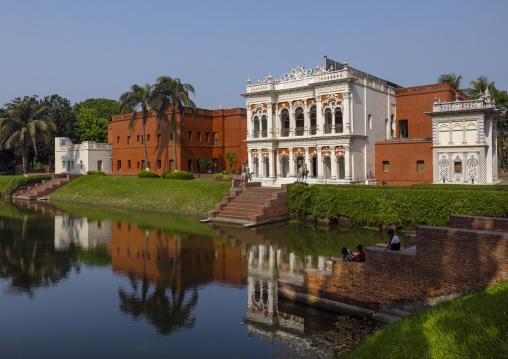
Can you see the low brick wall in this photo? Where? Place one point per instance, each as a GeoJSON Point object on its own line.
{"type": "Point", "coordinates": [437, 260]}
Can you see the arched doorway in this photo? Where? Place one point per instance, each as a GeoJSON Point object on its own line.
{"type": "Point", "coordinates": [327, 168]}
{"type": "Point", "coordinates": [266, 167]}
{"type": "Point", "coordinates": [284, 166]}
{"type": "Point", "coordinates": [255, 167]}
{"type": "Point", "coordinates": [313, 167]}
{"type": "Point", "coordinates": [341, 168]}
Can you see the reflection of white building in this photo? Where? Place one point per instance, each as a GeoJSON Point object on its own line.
{"type": "Point", "coordinates": [464, 141]}
{"type": "Point", "coordinates": [81, 232]}
{"type": "Point", "coordinates": [326, 118]}
{"type": "Point", "coordinates": [78, 159]}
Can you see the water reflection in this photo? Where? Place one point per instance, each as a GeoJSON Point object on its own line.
{"type": "Point", "coordinates": [168, 260]}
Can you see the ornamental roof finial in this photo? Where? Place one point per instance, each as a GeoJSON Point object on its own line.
{"type": "Point", "coordinates": [248, 80]}
{"type": "Point", "coordinates": [345, 61]}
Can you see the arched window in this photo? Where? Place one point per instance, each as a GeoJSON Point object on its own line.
{"type": "Point", "coordinates": [263, 126]}
{"type": "Point", "coordinates": [256, 127]}
{"type": "Point", "coordinates": [300, 123]}
{"type": "Point", "coordinates": [313, 120]}
{"type": "Point", "coordinates": [284, 118]}
{"type": "Point", "coordinates": [339, 127]}
{"type": "Point", "coordinates": [328, 121]}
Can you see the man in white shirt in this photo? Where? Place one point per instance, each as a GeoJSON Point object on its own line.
{"type": "Point", "coordinates": [394, 244]}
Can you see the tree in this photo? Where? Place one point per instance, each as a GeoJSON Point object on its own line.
{"type": "Point", "coordinates": [479, 87]}
{"type": "Point", "coordinates": [451, 79]}
{"type": "Point", "coordinates": [105, 108]}
{"type": "Point", "coordinates": [205, 163]}
{"type": "Point", "coordinates": [171, 94]}
{"type": "Point", "coordinates": [26, 124]}
{"type": "Point", "coordinates": [231, 158]}
{"type": "Point", "coordinates": [138, 97]}
{"type": "Point", "coordinates": [60, 111]}
{"type": "Point", "coordinates": [90, 127]}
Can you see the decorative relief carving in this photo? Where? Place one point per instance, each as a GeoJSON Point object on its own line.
{"type": "Point", "coordinates": [472, 169]}
{"type": "Point", "coordinates": [283, 153]}
{"type": "Point", "coordinates": [301, 73]}
{"type": "Point", "coordinates": [444, 167]}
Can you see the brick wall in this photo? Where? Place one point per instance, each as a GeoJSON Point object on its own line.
{"type": "Point", "coordinates": [438, 260]}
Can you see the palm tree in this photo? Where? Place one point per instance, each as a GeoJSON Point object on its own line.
{"type": "Point", "coordinates": [451, 79]}
{"type": "Point", "coordinates": [138, 97]}
{"type": "Point", "coordinates": [171, 94]}
{"type": "Point", "coordinates": [479, 87]}
{"type": "Point", "coordinates": [26, 123]}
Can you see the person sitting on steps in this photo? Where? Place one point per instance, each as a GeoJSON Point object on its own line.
{"type": "Point", "coordinates": [394, 244]}
{"type": "Point", "coordinates": [346, 255]}
{"type": "Point", "coordinates": [360, 257]}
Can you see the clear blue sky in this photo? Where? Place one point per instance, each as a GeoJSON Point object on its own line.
{"type": "Point", "coordinates": [83, 49]}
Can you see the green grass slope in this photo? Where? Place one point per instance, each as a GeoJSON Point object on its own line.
{"type": "Point", "coordinates": [191, 197]}
{"type": "Point", "coordinates": [473, 326]}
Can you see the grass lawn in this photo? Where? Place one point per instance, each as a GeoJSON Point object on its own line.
{"type": "Point", "coordinates": [179, 196]}
{"type": "Point", "coordinates": [473, 326]}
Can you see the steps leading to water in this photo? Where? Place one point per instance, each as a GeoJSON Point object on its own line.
{"type": "Point", "coordinates": [37, 190]}
{"type": "Point", "coordinates": [252, 205]}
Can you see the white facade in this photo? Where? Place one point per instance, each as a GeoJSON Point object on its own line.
{"type": "Point", "coordinates": [327, 119]}
{"type": "Point", "coordinates": [80, 231]}
{"type": "Point", "coordinates": [464, 141]}
{"type": "Point", "coordinates": [78, 159]}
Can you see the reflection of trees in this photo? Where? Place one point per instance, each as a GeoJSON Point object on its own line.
{"type": "Point", "coordinates": [28, 257]}
{"type": "Point", "coordinates": [166, 312]}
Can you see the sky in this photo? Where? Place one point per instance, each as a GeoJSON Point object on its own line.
{"type": "Point", "coordinates": [99, 49]}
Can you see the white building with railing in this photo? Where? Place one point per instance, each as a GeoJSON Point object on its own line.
{"type": "Point", "coordinates": [464, 138]}
{"type": "Point", "coordinates": [79, 158]}
{"type": "Point", "coordinates": [326, 118]}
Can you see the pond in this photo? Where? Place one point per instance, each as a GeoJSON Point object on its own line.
{"type": "Point", "coordinates": [86, 281]}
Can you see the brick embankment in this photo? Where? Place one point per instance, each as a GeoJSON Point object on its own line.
{"type": "Point", "coordinates": [436, 261]}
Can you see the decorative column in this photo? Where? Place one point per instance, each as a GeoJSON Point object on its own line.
{"type": "Point", "coordinates": [333, 121]}
{"type": "Point", "coordinates": [306, 121]}
{"type": "Point", "coordinates": [249, 159]}
{"type": "Point", "coordinates": [347, 113]}
{"type": "Point", "coordinates": [347, 163]}
{"type": "Point", "coordinates": [319, 162]}
{"type": "Point", "coordinates": [279, 170]}
{"type": "Point", "coordinates": [276, 125]}
{"type": "Point", "coordinates": [249, 122]}
{"type": "Point", "coordinates": [319, 117]}
{"type": "Point", "coordinates": [271, 164]}
{"type": "Point", "coordinates": [291, 164]}
{"type": "Point", "coordinates": [333, 161]}
{"type": "Point", "coordinates": [269, 127]}
{"type": "Point", "coordinates": [292, 124]}
{"type": "Point", "coordinates": [307, 158]}
{"type": "Point", "coordinates": [260, 163]}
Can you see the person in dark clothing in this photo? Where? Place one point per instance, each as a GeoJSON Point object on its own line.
{"type": "Point", "coordinates": [394, 244]}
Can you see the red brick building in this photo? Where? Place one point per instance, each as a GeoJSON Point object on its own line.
{"type": "Point", "coordinates": [406, 157]}
{"type": "Point", "coordinates": [212, 134]}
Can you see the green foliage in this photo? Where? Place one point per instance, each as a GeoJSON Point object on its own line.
{"type": "Point", "coordinates": [90, 127]}
{"type": "Point", "coordinates": [105, 108]}
{"type": "Point", "coordinates": [147, 174]}
{"type": "Point", "coordinates": [192, 197]}
{"type": "Point", "coordinates": [205, 163]}
{"type": "Point", "coordinates": [231, 159]}
{"type": "Point", "coordinates": [452, 79]}
{"type": "Point", "coordinates": [180, 175]}
{"type": "Point", "coordinates": [8, 184]}
{"type": "Point", "coordinates": [91, 173]}
{"type": "Point", "coordinates": [94, 257]}
{"type": "Point", "coordinates": [473, 326]}
{"type": "Point", "coordinates": [100, 173]}
{"type": "Point", "coordinates": [221, 176]}
{"type": "Point", "coordinates": [394, 206]}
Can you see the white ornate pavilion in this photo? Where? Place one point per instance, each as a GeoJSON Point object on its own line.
{"type": "Point", "coordinates": [328, 118]}
{"type": "Point", "coordinates": [464, 141]}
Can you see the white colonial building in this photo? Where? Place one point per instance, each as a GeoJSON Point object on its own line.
{"type": "Point", "coordinates": [78, 159]}
{"type": "Point", "coordinates": [464, 141]}
{"type": "Point", "coordinates": [328, 118]}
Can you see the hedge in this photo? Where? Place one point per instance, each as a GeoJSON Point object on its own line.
{"type": "Point", "coordinates": [180, 175]}
{"type": "Point", "coordinates": [8, 184]}
{"type": "Point", "coordinates": [394, 206]}
{"type": "Point", "coordinates": [147, 174]}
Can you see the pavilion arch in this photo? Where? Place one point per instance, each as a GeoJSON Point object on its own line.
{"type": "Point", "coordinates": [284, 121]}
{"type": "Point", "coordinates": [284, 166]}
{"type": "Point", "coordinates": [299, 121]}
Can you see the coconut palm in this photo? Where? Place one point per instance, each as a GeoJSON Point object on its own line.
{"type": "Point", "coordinates": [479, 87]}
{"type": "Point", "coordinates": [142, 98]}
{"type": "Point", "coordinates": [170, 94]}
{"type": "Point", "coordinates": [24, 124]}
{"type": "Point", "coordinates": [452, 79]}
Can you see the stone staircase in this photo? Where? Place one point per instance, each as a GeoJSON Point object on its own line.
{"type": "Point", "coordinates": [37, 190]}
{"type": "Point", "coordinates": [252, 205]}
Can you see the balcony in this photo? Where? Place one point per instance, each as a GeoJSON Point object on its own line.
{"type": "Point", "coordinates": [300, 131]}
{"type": "Point", "coordinates": [284, 132]}
{"type": "Point", "coordinates": [327, 129]}
{"type": "Point", "coordinates": [312, 130]}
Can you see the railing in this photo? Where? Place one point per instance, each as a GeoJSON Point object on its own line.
{"type": "Point", "coordinates": [260, 133]}
{"type": "Point", "coordinates": [339, 128]}
{"type": "Point", "coordinates": [327, 129]}
{"type": "Point", "coordinates": [462, 105]}
{"type": "Point", "coordinates": [300, 131]}
{"type": "Point", "coordinates": [312, 130]}
{"type": "Point", "coordinates": [284, 132]}
{"type": "Point", "coordinates": [87, 146]}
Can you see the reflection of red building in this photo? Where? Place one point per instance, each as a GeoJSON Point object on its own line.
{"type": "Point", "coordinates": [405, 157]}
{"type": "Point", "coordinates": [212, 134]}
{"type": "Point", "coordinates": [188, 260]}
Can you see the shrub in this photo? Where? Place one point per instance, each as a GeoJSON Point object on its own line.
{"type": "Point", "coordinates": [100, 173]}
{"type": "Point", "coordinates": [221, 176]}
{"type": "Point", "coordinates": [147, 174]}
{"type": "Point", "coordinates": [91, 172]}
{"type": "Point", "coordinates": [13, 182]}
{"type": "Point", "coordinates": [181, 175]}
